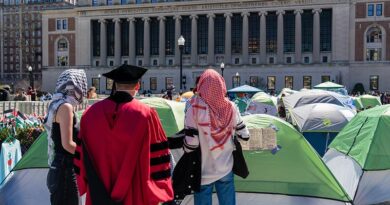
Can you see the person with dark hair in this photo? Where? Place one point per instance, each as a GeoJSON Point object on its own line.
{"type": "Point", "coordinates": [60, 124]}
{"type": "Point", "coordinates": [123, 150]}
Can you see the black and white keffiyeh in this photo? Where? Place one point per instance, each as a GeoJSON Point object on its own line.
{"type": "Point", "coordinates": [71, 88]}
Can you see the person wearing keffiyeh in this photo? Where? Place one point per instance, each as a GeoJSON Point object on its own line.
{"type": "Point", "coordinates": [61, 126]}
{"type": "Point", "coordinates": [210, 122]}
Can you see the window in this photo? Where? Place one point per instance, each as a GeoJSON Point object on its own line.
{"type": "Point", "coordinates": [62, 24]}
{"type": "Point", "coordinates": [155, 62]}
{"type": "Point", "coordinates": [325, 78]}
{"type": "Point", "coordinates": [186, 32]}
{"type": "Point", "coordinates": [94, 2]}
{"type": "Point", "coordinates": [288, 60]}
{"type": "Point", "coordinates": [109, 2]}
{"type": "Point", "coordinates": [109, 84]}
{"type": "Point", "coordinates": [324, 59]}
{"type": "Point", "coordinates": [289, 32]}
{"type": "Point", "coordinates": [96, 84]}
{"type": "Point", "coordinates": [62, 45]}
{"type": "Point", "coordinates": [374, 10]}
{"type": "Point", "coordinates": [62, 60]}
{"type": "Point", "coordinates": [97, 63]}
{"type": "Point", "coordinates": [271, 81]}
{"type": "Point", "coordinates": [123, 2]}
{"type": "Point", "coordinates": [289, 82]}
{"type": "Point", "coordinates": [154, 36]}
{"type": "Point", "coordinates": [168, 82]}
{"type": "Point", "coordinates": [125, 62]}
{"type": "Point", "coordinates": [139, 37]}
{"type": "Point", "coordinates": [170, 62]}
{"type": "Point", "coordinates": [170, 36]}
{"type": "Point", "coordinates": [374, 44]}
{"type": "Point", "coordinates": [326, 30]}
{"type": "Point", "coordinates": [153, 83]}
{"type": "Point", "coordinates": [219, 34]}
{"type": "Point", "coordinates": [307, 31]}
{"type": "Point", "coordinates": [271, 33]}
{"type": "Point", "coordinates": [307, 82]}
{"type": "Point", "coordinates": [95, 38]}
{"type": "Point", "coordinates": [111, 63]}
{"type": "Point", "coordinates": [374, 82]}
{"type": "Point", "coordinates": [124, 39]}
{"type": "Point", "coordinates": [254, 60]}
{"type": "Point", "coordinates": [306, 59]}
{"type": "Point", "coordinates": [236, 33]}
{"type": "Point", "coordinates": [271, 60]}
{"type": "Point", "coordinates": [236, 80]}
{"type": "Point", "coordinates": [110, 38]}
{"type": "Point", "coordinates": [139, 62]}
{"type": "Point", "coordinates": [254, 81]}
{"type": "Point", "coordinates": [202, 34]}
{"type": "Point", "coordinates": [236, 61]}
{"type": "Point", "coordinates": [254, 33]}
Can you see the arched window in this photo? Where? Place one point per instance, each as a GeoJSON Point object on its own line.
{"type": "Point", "coordinates": [374, 44]}
{"type": "Point", "coordinates": [62, 52]}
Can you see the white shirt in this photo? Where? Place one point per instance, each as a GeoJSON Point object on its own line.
{"type": "Point", "coordinates": [217, 163]}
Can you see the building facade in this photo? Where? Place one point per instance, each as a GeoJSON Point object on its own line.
{"type": "Point", "coordinates": [266, 44]}
{"type": "Point", "coordinates": [21, 39]}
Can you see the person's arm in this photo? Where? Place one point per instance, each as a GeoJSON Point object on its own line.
{"type": "Point", "coordinates": [241, 131]}
{"type": "Point", "coordinates": [191, 140]}
{"type": "Point", "coordinates": [65, 118]}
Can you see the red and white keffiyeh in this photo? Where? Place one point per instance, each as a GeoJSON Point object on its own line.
{"type": "Point", "coordinates": [212, 90]}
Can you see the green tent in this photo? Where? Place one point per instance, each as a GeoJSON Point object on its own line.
{"type": "Point", "coordinates": [293, 175]}
{"type": "Point", "coordinates": [262, 103]}
{"type": "Point", "coordinates": [359, 156]}
{"type": "Point", "coordinates": [357, 103]}
{"type": "Point", "coordinates": [369, 101]}
{"type": "Point", "coordinates": [171, 113]}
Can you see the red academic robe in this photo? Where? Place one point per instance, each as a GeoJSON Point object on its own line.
{"type": "Point", "coordinates": [129, 150]}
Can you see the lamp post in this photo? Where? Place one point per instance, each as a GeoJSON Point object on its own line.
{"type": "Point", "coordinates": [99, 91]}
{"type": "Point", "coordinates": [181, 42]}
{"type": "Point", "coordinates": [31, 82]}
{"type": "Point", "coordinates": [222, 68]}
{"type": "Point", "coordinates": [237, 77]}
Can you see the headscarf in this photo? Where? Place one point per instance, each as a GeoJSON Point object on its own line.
{"type": "Point", "coordinates": [212, 89]}
{"type": "Point", "coordinates": [71, 88]}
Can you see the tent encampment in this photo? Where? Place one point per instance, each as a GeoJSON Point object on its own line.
{"type": "Point", "coordinates": [359, 156]}
{"type": "Point", "coordinates": [292, 174]}
{"type": "Point", "coordinates": [320, 123]}
{"type": "Point", "coordinates": [262, 103]}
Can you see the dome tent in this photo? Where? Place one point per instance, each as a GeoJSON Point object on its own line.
{"type": "Point", "coordinates": [359, 156]}
{"type": "Point", "coordinates": [320, 123]}
{"type": "Point", "coordinates": [262, 103]}
{"type": "Point", "coordinates": [293, 175]}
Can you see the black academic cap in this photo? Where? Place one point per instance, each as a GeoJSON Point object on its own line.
{"type": "Point", "coordinates": [126, 74]}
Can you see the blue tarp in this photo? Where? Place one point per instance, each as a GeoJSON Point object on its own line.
{"type": "Point", "coordinates": [244, 89]}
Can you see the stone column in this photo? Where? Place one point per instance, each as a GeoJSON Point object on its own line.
{"type": "Point", "coordinates": [298, 36]}
{"type": "Point", "coordinates": [245, 36]}
{"type": "Point", "coordinates": [117, 54]}
{"type": "Point", "coordinates": [228, 38]}
{"type": "Point", "coordinates": [194, 39]}
{"type": "Point", "coordinates": [177, 36]}
{"type": "Point", "coordinates": [263, 37]}
{"type": "Point", "coordinates": [280, 37]}
{"type": "Point", "coordinates": [103, 42]}
{"type": "Point", "coordinates": [161, 47]}
{"type": "Point", "coordinates": [316, 35]}
{"type": "Point", "coordinates": [131, 21]}
{"type": "Point", "coordinates": [210, 44]}
{"type": "Point", "coordinates": [146, 41]}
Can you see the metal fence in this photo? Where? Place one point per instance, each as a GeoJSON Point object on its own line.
{"type": "Point", "coordinates": [32, 107]}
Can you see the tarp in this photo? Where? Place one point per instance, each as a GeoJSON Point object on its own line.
{"type": "Point", "coordinates": [359, 156]}
{"type": "Point", "coordinates": [293, 175]}
{"type": "Point", "coordinates": [244, 89]}
{"type": "Point", "coordinates": [171, 113]}
{"type": "Point", "coordinates": [317, 96]}
{"type": "Point", "coordinates": [262, 103]}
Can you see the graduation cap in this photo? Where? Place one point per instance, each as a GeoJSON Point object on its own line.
{"type": "Point", "coordinates": [126, 74]}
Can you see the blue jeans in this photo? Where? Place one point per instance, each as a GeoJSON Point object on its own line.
{"type": "Point", "coordinates": [225, 192]}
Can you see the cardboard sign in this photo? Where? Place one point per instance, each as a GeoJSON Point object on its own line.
{"type": "Point", "coordinates": [260, 139]}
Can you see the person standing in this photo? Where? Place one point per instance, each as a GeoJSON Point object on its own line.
{"type": "Point", "coordinates": [20, 96]}
{"type": "Point", "coordinates": [60, 124]}
{"type": "Point", "coordinates": [123, 151]}
{"type": "Point", "coordinates": [210, 122]}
